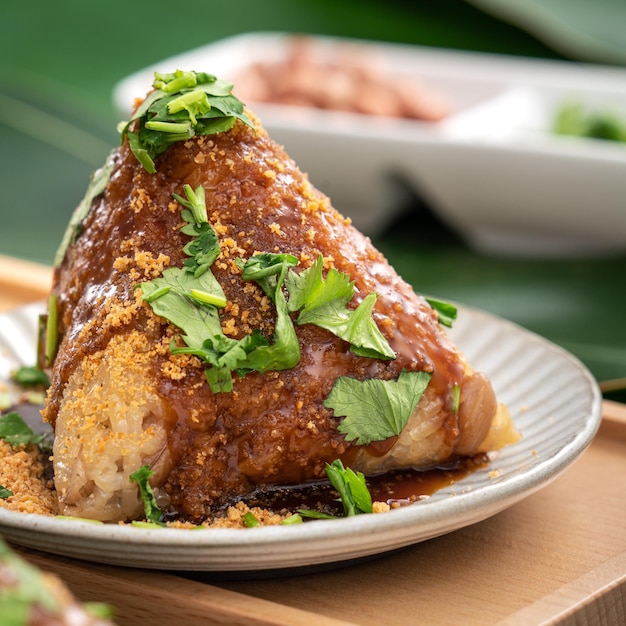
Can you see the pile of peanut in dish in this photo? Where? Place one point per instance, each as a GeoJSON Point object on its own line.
{"type": "Point", "coordinates": [352, 81]}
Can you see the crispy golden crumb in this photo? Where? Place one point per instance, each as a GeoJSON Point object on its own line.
{"type": "Point", "coordinates": [380, 507]}
{"type": "Point", "coordinates": [22, 471]}
{"type": "Point", "coordinates": [235, 517]}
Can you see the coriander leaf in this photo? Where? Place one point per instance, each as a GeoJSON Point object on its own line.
{"type": "Point", "coordinates": [227, 355]}
{"type": "Point", "coordinates": [195, 202]}
{"type": "Point", "coordinates": [170, 297]}
{"type": "Point", "coordinates": [31, 376]}
{"type": "Point", "coordinates": [175, 81]}
{"type": "Point", "coordinates": [446, 312]}
{"type": "Point", "coordinates": [142, 153]}
{"type": "Point", "coordinates": [176, 304]}
{"type": "Point", "coordinates": [214, 125]}
{"type": "Point", "coordinates": [250, 521]}
{"type": "Point", "coordinates": [313, 514]}
{"type": "Point", "coordinates": [265, 268]}
{"type": "Point", "coordinates": [99, 180]}
{"type": "Point", "coordinates": [28, 589]}
{"type": "Point", "coordinates": [352, 488]}
{"type": "Point", "coordinates": [15, 431]}
{"type": "Point", "coordinates": [270, 270]}
{"type": "Point", "coordinates": [216, 87]}
{"type": "Point", "coordinates": [150, 506]}
{"type": "Point", "coordinates": [308, 290]}
{"type": "Point", "coordinates": [183, 105]}
{"type": "Point", "coordinates": [376, 409]}
{"type": "Point", "coordinates": [204, 249]}
{"type": "Point", "coordinates": [572, 119]}
{"type": "Point", "coordinates": [140, 524]}
{"type": "Point", "coordinates": [5, 492]}
{"type": "Point", "coordinates": [194, 102]}
{"type": "Point", "coordinates": [356, 326]}
{"type": "Point", "coordinates": [323, 303]}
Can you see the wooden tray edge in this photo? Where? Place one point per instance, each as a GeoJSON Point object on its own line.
{"type": "Point", "coordinates": [161, 598]}
{"type": "Point", "coordinates": [597, 597]}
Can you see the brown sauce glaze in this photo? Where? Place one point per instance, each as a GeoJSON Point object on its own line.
{"type": "Point", "coordinates": [397, 488]}
{"type": "Point", "coordinates": [273, 427]}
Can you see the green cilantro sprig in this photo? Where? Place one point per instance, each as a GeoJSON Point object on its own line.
{"type": "Point", "coordinates": [150, 506]}
{"type": "Point", "coordinates": [30, 594]}
{"type": "Point", "coordinates": [190, 298]}
{"type": "Point", "coordinates": [446, 312]}
{"type": "Point", "coordinates": [353, 492]}
{"type": "Point", "coordinates": [184, 104]}
{"type": "Point", "coordinates": [5, 492]}
{"type": "Point", "coordinates": [16, 432]}
{"type": "Point", "coordinates": [31, 376]}
{"type": "Point", "coordinates": [573, 119]}
{"type": "Point", "coordinates": [376, 409]}
{"type": "Point", "coordinates": [250, 520]}
{"type": "Point", "coordinates": [30, 589]}
{"type": "Point", "coordinates": [324, 303]}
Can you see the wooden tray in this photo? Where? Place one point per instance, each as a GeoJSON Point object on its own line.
{"type": "Point", "coordinates": [558, 557]}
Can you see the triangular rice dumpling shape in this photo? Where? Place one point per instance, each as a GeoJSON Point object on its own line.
{"type": "Point", "coordinates": [216, 321]}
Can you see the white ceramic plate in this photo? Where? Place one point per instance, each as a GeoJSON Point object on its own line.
{"type": "Point", "coordinates": [492, 170]}
{"type": "Point", "coordinates": [553, 399]}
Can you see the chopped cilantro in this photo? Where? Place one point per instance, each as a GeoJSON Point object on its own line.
{"type": "Point", "coordinates": [195, 202]}
{"type": "Point", "coordinates": [250, 521]}
{"type": "Point", "coordinates": [29, 594]}
{"type": "Point", "coordinates": [28, 589]}
{"type": "Point", "coordinates": [324, 303]}
{"type": "Point", "coordinates": [446, 312]}
{"type": "Point", "coordinates": [573, 119]}
{"type": "Point", "coordinates": [141, 524]}
{"type": "Point", "coordinates": [376, 409]}
{"type": "Point", "coordinates": [353, 492]}
{"type": "Point", "coordinates": [5, 492]}
{"type": "Point", "coordinates": [313, 514]}
{"type": "Point", "coordinates": [183, 105]}
{"type": "Point", "coordinates": [31, 376]}
{"type": "Point", "coordinates": [352, 488]}
{"type": "Point", "coordinates": [15, 431]}
{"type": "Point", "coordinates": [99, 181]}
{"type": "Point", "coordinates": [50, 337]}
{"type": "Point", "coordinates": [270, 270]}
{"type": "Point", "coordinates": [151, 508]}
{"type": "Point", "coordinates": [190, 297]}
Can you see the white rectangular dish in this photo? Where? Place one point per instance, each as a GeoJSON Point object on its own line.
{"type": "Point", "coordinates": [492, 169]}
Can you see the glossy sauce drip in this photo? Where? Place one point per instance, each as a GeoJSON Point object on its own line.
{"type": "Point", "coordinates": [397, 488]}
